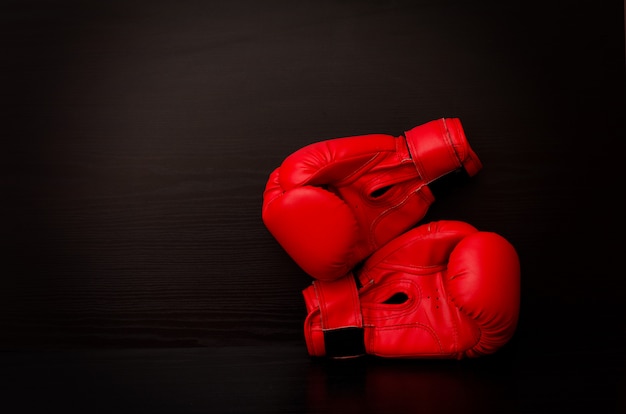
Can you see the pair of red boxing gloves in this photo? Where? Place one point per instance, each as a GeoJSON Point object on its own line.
{"type": "Point", "coordinates": [348, 211]}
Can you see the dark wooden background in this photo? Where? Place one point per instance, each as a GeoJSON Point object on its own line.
{"type": "Point", "coordinates": [137, 137]}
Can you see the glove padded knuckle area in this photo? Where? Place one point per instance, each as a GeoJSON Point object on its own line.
{"type": "Point", "coordinates": [484, 281]}
{"type": "Point", "coordinates": [316, 228]}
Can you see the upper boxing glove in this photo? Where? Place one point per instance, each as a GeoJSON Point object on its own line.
{"type": "Point", "coordinates": [441, 290]}
{"type": "Point", "coordinates": [332, 203]}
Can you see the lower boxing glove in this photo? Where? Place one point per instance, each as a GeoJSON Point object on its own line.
{"type": "Point", "coordinates": [441, 290]}
{"type": "Point", "coordinates": [332, 203]}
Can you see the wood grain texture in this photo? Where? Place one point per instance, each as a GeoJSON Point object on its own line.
{"type": "Point", "coordinates": [138, 137]}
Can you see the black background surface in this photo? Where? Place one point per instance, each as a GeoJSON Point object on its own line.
{"type": "Point", "coordinates": [137, 137]}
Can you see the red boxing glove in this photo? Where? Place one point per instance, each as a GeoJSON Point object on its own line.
{"type": "Point", "coordinates": [441, 290]}
{"type": "Point", "coordinates": [332, 203]}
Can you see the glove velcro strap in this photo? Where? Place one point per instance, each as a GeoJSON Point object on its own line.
{"type": "Point", "coordinates": [344, 342]}
{"type": "Point", "coordinates": [340, 311]}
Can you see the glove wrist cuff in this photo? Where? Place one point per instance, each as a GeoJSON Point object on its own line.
{"type": "Point", "coordinates": [440, 147]}
{"type": "Point", "coordinates": [334, 325]}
